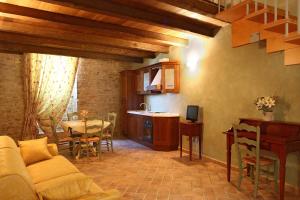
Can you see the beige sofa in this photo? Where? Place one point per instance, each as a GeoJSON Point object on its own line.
{"type": "Point", "coordinates": [18, 182]}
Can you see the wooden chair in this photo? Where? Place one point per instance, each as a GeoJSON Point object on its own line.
{"type": "Point", "coordinates": [248, 152]}
{"type": "Point", "coordinates": [72, 116]}
{"type": "Point", "coordinates": [109, 132]}
{"type": "Point", "coordinates": [62, 139]}
{"type": "Point", "coordinates": [91, 139]}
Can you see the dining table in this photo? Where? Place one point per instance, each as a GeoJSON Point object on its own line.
{"type": "Point", "coordinates": [77, 130]}
{"type": "Point", "coordinates": [78, 126]}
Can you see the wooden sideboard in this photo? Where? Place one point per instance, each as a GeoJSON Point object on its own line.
{"type": "Point", "coordinates": [278, 137]}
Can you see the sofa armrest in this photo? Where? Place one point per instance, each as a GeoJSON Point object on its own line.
{"type": "Point", "coordinates": [106, 195]}
{"type": "Point", "coordinates": [52, 148]}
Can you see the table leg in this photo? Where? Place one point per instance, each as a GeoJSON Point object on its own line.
{"type": "Point", "coordinates": [200, 156]}
{"type": "Point", "coordinates": [228, 157]}
{"type": "Point", "coordinates": [191, 146]}
{"type": "Point", "coordinates": [282, 158]}
{"type": "Point", "coordinates": [180, 143]}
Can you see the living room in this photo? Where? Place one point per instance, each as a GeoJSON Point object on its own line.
{"type": "Point", "coordinates": [131, 71]}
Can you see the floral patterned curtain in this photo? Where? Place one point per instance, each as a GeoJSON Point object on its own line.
{"type": "Point", "coordinates": [49, 81]}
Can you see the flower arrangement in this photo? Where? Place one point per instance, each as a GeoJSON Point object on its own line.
{"type": "Point", "coordinates": [266, 104]}
{"type": "Point", "coordinates": [84, 114]}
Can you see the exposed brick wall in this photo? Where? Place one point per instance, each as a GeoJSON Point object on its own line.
{"type": "Point", "coordinates": [98, 90]}
{"type": "Point", "coordinates": [99, 86]}
{"type": "Point", "coordinates": [11, 95]}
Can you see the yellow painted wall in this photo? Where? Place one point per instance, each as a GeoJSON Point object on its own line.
{"type": "Point", "coordinates": [225, 83]}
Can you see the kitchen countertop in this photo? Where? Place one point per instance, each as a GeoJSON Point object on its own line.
{"type": "Point", "coordinates": [152, 113]}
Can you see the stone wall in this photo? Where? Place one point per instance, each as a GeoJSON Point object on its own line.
{"type": "Point", "coordinates": [99, 86]}
{"type": "Point", "coordinates": [11, 95]}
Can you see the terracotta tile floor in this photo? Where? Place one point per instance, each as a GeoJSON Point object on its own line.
{"type": "Point", "coordinates": [143, 174]}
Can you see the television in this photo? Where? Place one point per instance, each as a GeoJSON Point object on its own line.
{"type": "Point", "coordinates": [192, 113]}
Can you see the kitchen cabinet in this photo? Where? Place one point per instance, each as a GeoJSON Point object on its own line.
{"type": "Point", "coordinates": [130, 100]}
{"type": "Point", "coordinates": [146, 80]}
{"type": "Point", "coordinates": [171, 79]}
{"type": "Point", "coordinates": [158, 133]}
{"type": "Point", "coordinates": [159, 78]}
{"type": "Point", "coordinates": [140, 82]}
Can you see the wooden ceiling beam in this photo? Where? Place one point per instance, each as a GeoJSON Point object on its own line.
{"type": "Point", "coordinates": [101, 28]}
{"type": "Point", "coordinates": [106, 32]}
{"type": "Point", "coordinates": [16, 26]}
{"type": "Point", "coordinates": [49, 42]}
{"type": "Point", "coordinates": [197, 6]}
{"type": "Point", "coordinates": [155, 17]}
{"type": "Point", "coordinates": [21, 48]}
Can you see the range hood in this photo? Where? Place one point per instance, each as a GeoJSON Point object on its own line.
{"type": "Point", "coordinates": [156, 82]}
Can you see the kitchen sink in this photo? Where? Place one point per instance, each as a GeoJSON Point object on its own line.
{"type": "Point", "coordinates": [156, 112]}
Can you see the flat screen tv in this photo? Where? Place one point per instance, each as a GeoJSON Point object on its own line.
{"type": "Point", "coordinates": [192, 113]}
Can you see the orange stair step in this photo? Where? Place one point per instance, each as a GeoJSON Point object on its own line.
{"type": "Point", "coordinates": [293, 38]}
{"type": "Point", "coordinates": [245, 32]}
{"type": "Point", "coordinates": [291, 56]}
{"type": "Point", "coordinates": [258, 16]}
{"type": "Point", "coordinates": [237, 11]}
{"type": "Point", "coordinates": [276, 42]}
{"type": "Point", "coordinates": [279, 26]}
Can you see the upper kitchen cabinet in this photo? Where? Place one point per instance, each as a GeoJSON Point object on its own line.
{"type": "Point", "coordinates": [162, 77]}
{"type": "Point", "coordinates": [171, 77]}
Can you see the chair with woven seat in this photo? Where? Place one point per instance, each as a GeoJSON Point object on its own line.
{"type": "Point", "coordinates": [72, 116]}
{"type": "Point", "coordinates": [249, 152]}
{"type": "Point", "coordinates": [63, 139]}
{"type": "Point", "coordinates": [109, 132]}
{"type": "Point", "coordinates": [91, 139]}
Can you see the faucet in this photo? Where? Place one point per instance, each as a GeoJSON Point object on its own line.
{"type": "Point", "coordinates": [147, 107]}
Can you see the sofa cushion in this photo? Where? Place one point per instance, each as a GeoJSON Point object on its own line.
{"type": "Point", "coordinates": [34, 151]}
{"type": "Point", "coordinates": [71, 186]}
{"type": "Point", "coordinates": [48, 169]}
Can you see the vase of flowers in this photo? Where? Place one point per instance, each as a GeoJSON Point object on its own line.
{"type": "Point", "coordinates": [266, 105]}
{"type": "Point", "coordinates": [84, 114]}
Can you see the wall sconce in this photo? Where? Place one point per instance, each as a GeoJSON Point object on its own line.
{"type": "Point", "coordinates": [194, 52]}
{"type": "Point", "coordinates": [192, 60]}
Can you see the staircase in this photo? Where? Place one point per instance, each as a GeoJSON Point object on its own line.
{"type": "Point", "coordinates": [253, 21]}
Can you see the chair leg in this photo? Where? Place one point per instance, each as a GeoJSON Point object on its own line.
{"type": "Point", "coordinates": [252, 173]}
{"type": "Point", "coordinates": [71, 147]}
{"type": "Point", "coordinates": [87, 150]}
{"type": "Point", "coordinates": [99, 150]}
{"type": "Point", "coordinates": [240, 179]}
{"type": "Point", "coordinates": [268, 173]}
{"type": "Point", "coordinates": [107, 144]}
{"type": "Point", "coordinates": [112, 146]}
{"type": "Point", "coordinates": [78, 152]}
{"type": "Point", "coordinates": [256, 181]}
{"type": "Point", "coordinates": [276, 167]}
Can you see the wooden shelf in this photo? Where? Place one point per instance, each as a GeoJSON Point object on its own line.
{"type": "Point", "coordinates": [293, 38]}
{"type": "Point", "coordinates": [279, 26]}
{"type": "Point", "coordinates": [258, 16]}
{"type": "Point", "coordinates": [237, 11]}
